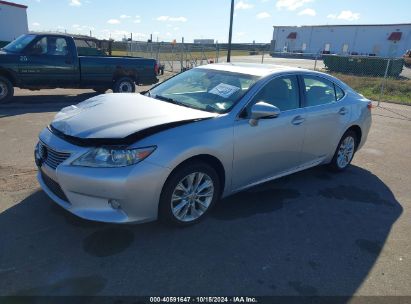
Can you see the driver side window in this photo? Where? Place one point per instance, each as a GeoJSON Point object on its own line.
{"type": "Point", "coordinates": [282, 92]}
{"type": "Point", "coordinates": [51, 46]}
{"type": "Point", "coordinates": [39, 48]}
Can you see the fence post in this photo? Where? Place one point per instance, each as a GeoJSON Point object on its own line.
{"type": "Point", "coordinates": [315, 62]}
{"type": "Point", "coordinates": [218, 52]}
{"type": "Point", "coordinates": [182, 55]}
{"type": "Point", "coordinates": [384, 81]}
{"type": "Point", "coordinates": [262, 57]}
{"type": "Point", "coordinates": [172, 58]}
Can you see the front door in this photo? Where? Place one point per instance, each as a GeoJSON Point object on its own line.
{"type": "Point", "coordinates": [48, 62]}
{"type": "Point", "coordinates": [274, 145]}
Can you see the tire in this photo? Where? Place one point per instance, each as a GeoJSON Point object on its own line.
{"type": "Point", "coordinates": [189, 211]}
{"type": "Point", "coordinates": [124, 85]}
{"type": "Point", "coordinates": [6, 90]}
{"type": "Point", "coordinates": [345, 152]}
{"type": "Point", "coordinates": [100, 90]}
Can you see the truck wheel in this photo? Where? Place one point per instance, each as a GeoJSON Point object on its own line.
{"type": "Point", "coordinates": [124, 85]}
{"type": "Point", "coordinates": [6, 90]}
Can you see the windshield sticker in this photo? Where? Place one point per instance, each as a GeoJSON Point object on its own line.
{"type": "Point", "coordinates": [224, 90]}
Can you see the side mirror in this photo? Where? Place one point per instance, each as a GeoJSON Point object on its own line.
{"type": "Point", "coordinates": [263, 110]}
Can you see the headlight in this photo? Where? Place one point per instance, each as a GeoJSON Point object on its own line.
{"type": "Point", "coordinates": [113, 157]}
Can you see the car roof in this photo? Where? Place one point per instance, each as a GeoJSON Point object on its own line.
{"type": "Point", "coordinates": [252, 68]}
{"type": "Point", "coordinates": [263, 70]}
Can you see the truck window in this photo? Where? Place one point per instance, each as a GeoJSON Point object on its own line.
{"type": "Point", "coordinates": [39, 48]}
{"type": "Point", "coordinates": [57, 46]}
{"type": "Point", "coordinates": [51, 46]}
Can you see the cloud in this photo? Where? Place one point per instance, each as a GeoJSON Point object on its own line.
{"type": "Point", "coordinates": [35, 24]}
{"type": "Point", "coordinates": [172, 19]}
{"type": "Point", "coordinates": [113, 21]}
{"type": "Point", "coordinates": [291, 5]}
{"type": "Point", "coordinates": [125, 16]}
{"type": "Point", "coordinates": [263, 15]}
{"type": "Point", "coordinates": [75, 3]}
{"type": "Point", "coordinates": [307, 12]}
{"type": "Point", "coordinates": [241, 5]}
{"type": "Point", "coordinates": [83, 28]}
{"type": "Point", "coordinates": [345, 15]}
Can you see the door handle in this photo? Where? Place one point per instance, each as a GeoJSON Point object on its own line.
{"type": "Point", "coordinates": [298, 120]}
{"type": "Point", "coordinates": [343, 111]}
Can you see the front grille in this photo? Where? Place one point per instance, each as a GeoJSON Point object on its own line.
{"type": "Point", "coordinates": [53, 186]}
{"type": "Point", "coordinates": [51, 157]}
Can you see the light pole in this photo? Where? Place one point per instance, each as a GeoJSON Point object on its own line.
{"type": "Point", "coordinates": [230, 34]}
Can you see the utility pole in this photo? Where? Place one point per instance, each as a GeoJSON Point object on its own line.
{"type": "Point", "coordinates": [230, 34]}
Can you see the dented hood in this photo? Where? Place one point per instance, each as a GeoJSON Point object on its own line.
{"type": "Point", "coordinates": [120, 115]}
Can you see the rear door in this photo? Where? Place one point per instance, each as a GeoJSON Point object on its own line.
{"type": "Point", "coordinates": [274, 145]}
{"type": "Point", "coordinates": [327, 117]}
{"type": "Point", "coordinates": [49, 62]}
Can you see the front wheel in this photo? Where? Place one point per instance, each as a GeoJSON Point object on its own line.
{"type": "Point", "coordinates": [345, 151]}
{"type": "Point", "coordinates": [6, 90]}
{"type": "Point", "coordinates": [124, 85]}
{"type": "Point", "coordinates": [188, 194]}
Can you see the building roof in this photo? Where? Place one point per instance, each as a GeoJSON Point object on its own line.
{"type": "Point", "coordinates": [13, 4]}
{"type": "Point", "coordinates": [345, 25]}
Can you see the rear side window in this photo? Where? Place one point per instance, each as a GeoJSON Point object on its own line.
{"type": "Point", "coordinates": [318, 91]}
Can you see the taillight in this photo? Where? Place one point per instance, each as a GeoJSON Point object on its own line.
{"type": "Point", "coordinates": [369, 105]}
{"type": "Point", "coordinates": [156, 67]}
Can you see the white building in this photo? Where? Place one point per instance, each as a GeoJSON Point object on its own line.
{"type": "Point", "coordinates": [203, 41]}
{"type": "Point", "coordinates": [385, 40]}
{"type": "Point", "coordinates": [13, 20]}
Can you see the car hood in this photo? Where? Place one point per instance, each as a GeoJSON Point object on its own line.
{"type": "Point", "coordinates": [120, 115]}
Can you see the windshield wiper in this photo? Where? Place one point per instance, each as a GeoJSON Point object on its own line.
{"type": "Point", "coordinates": [171, 100]}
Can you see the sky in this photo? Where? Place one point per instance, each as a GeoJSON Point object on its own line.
{"type": "Point", "coordinates": [196, 19]}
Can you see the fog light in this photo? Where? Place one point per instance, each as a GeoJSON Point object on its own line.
{"type": "Point", "coordinates": [114, 203]}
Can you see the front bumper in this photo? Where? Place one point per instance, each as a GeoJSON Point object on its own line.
{"type": "Point", "coordinates": [87, 192]}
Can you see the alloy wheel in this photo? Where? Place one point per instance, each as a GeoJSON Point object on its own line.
{"type": "Point", "coordinates": [192, 197]}
{"type": "Point", "coordinates": [345, 152]}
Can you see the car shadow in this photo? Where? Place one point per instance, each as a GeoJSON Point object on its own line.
{"type": "Point", "coordinates": [309, 234]}
{"type": "Point", "coordinates": [41, 103]}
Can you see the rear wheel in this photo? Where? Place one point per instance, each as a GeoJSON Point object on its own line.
{"type": "Point", "coordinates": [124, 85]}
{"type": "Point", "coordinates": [189, 194]}
{"type": "Point", "coordinates": [6, 90]}
{"type": "Point", "coordinates": [345, 151]}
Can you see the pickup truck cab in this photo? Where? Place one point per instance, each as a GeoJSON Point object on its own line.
{"type": "Point", "coordinates": [45, 61]}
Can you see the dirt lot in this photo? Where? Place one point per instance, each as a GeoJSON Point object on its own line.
{"type": "Point", "coordinates": [313, 233]}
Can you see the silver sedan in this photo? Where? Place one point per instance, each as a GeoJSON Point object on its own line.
{"type": "Point", "coordinates": [172, 152]}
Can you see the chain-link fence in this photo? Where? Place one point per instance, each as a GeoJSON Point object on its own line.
{"type": "Point", "coordinates": [379, 79]}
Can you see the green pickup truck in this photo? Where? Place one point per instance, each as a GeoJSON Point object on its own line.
{"type": "Point", "coordinates": [46, 61]}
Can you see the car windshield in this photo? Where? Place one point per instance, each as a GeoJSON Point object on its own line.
{"type": "Point", "coordinates": [19, 44]}
{"type": "Point", "coordinates": [205, 89]}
